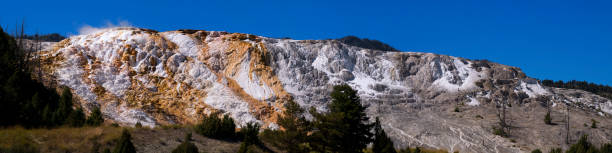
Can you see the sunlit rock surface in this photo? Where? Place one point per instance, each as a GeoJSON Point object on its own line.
{"type": "Point", "coordinates": [156, 78]}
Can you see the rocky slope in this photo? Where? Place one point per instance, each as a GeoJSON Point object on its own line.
{"type": "Point", "coordinates": [139, 75]}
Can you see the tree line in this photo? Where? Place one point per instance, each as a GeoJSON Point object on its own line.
{"type": "Point", "coordinates": [599, 89]}
{"type": "Point", "coordinates": [27, 102]}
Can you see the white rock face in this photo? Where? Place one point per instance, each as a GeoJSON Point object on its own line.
{"type": "Point", "coordinates": [154, 78]}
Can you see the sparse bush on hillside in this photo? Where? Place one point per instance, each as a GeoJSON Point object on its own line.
{"type": "Point", "coordinates": [548, 119]}
{"type": "Point", "coordinates": [555, 150]}
{"type": "Point", "coordinates": [593, 123]}
{"type": "Point", "coordinates": [250, 138]}
{"type": "Point", "coordinates": [125, 144]}
{"type": "Point", "coordinates": [536, 151]}
{"type": "Point", "coordinates": [186, 146]}
{"type": "Point", "coordinates": [95, 118]}
{"type": "Point", "coordinates": [214, 127]}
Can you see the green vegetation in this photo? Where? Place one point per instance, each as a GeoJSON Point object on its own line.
{"type": "Point", "coordinates": [583, 146]}
{"type": "Point", "coordinates": [602, 90]}
{"type": "Point", "coordinates": [251, 140]}
{"type": "Point", "coordinates": [215, 127]}
{"type": "Point", "coordinates": [548, 119]}
{"type": "Point", "coordinates": [555, 150]}
{"type": "Point", "coordinates": [536, 151]}
{"type": "Point", "coordinates": [366, 43]}
{"type": "Point", "coordinates": [125, 143]}
{"type": "Point", "coordinates": [593, 123]}
{"type": "Point", "coordinates": [186, 146]}
{"type": "Point", "coordinates": [54, 37]}
{"type": "Point", "coordinates": [294, 135]}
{"type": "Point", "coordinates": [95, 118]}
{"type": "Point", "coordinates": [344, 128]}
{"type": "Point", "coordinates": [27, 102]}
{"type": "Point", "coordinates": [382, 143]}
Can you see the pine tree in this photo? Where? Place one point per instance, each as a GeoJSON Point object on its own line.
{"type": "Point", "coordinates": [214, 127]}
{"type": "Point", "coordinates": [382, 143]}
{"type": "Point", "coordinates": [125, 143]}
{"type": "Point", "coordinates": [228, 127]}
{"type": "Point", "coordinates": [76, 118]}
{"type": "Point", "coordinates": [344, 128]}
{"type": "Point", "coordinates": [294, 131]}
{"type": "Point", "coordinates": [249, 132]}
{"type": "Point", "coordinates": [583, 146]}
{"type": "Point", "coordinates": [95, 118]}
{"type": "Point", "coordinates": [65, 107]}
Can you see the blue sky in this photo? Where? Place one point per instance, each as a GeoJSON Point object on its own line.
{"type": "Point", "coordinates": [560, 40]}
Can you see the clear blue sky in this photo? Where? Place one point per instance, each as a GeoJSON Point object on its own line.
{"type": "Point", "coordinates": [557, 39]}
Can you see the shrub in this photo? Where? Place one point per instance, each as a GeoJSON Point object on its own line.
{"type": "Point", "coordinates": [593, 123]}
{"type": "Point", "coordinates": [95, 118]}
{"type": "Point", "coordinates": [138, 125]}
{"type": "Point", "coordinates": [499, 131]}
{"type": "Point", "coordinates": [125, 143]}
{"type": "Point", "coordinates": [76, 118]}
{"type": "Point", "coordinates": [214, 127]}
{"type": "Point", "coordinates": [548, 119]}
{"type": "Point", "coordinates": [250, 132]}
{"type": "Point", "coordinates": [582, 146]}
{"type": "Point", "coordinates": [536, 151]}
{"type": "Point", "coordinates": [555, 150]}
{"type": "Point", "coordinates": [186, 146]}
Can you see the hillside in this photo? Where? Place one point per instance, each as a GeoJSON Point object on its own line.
{"type": "Point", "coordinates": [423, 99]}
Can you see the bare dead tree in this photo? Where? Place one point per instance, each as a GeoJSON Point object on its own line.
{"type": "Point", "coordinates": [567, 125]}
{"type": "Point", "coordinates": [501, 107]}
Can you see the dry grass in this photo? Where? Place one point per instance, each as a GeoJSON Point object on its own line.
{"type": "Point", "coordinates": [60, 139]}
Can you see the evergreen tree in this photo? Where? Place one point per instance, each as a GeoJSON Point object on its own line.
{"type": "Point", "coordinates": [555, 150]}
{"type": "Point", "coordinates": [186, 146]}
{"type": "Point", "coordinates": [536, 151]}
{"type": "Point", "coordinates": [65, 107]}
{"type": "Point", "coordinates": [95, 118]}
{"type": "Point", "coordinates": [250, 138]}
{"type": "Point", "coordinates": [344, 128]}
{"type": "Point", "coordinates": [583, 146]}
{"type": "Point", "coordinates": [125, 143]}
{"type": "Point", "coordinates": [76, 118]}
{"type": "Point", "coordinates": [382, 143]}
{"type": "Point", "coordinates": [295, 129]}
{"type": "Point", "coordinates": [548, 119]}
{"type": "Point", "coordinates": [228, 127]}
{"type": "Point", "coordinates": [417, 150]}
{"type": "Point", "coordinates": [214, 127]}
{"type": "Point", "coordinates": [606, 148]}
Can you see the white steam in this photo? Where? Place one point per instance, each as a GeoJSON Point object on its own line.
{"type": "Point", "coordinates": [87, 29]}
